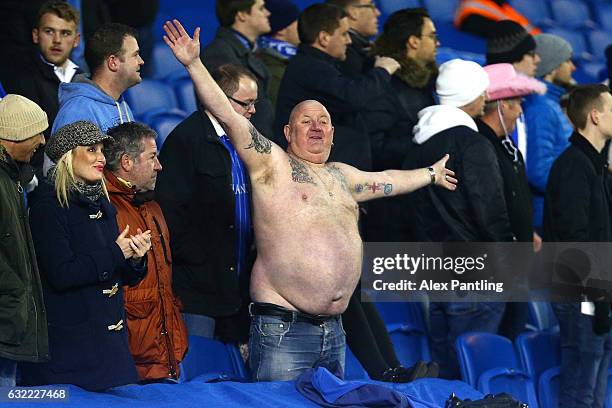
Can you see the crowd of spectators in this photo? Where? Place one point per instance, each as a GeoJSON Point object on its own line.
{"type": "Point", "coordinates": [109, 248]}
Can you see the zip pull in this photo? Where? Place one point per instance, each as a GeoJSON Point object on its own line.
{"type": "Point", "coordinates": [19, 187]}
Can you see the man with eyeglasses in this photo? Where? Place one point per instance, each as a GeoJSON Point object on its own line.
{"type": "Point", "coordinates": [363, 25]}
{"type": "Point", "coordinates": [54, 37]}
{"type": "Point", "coordinates": [205, 194]}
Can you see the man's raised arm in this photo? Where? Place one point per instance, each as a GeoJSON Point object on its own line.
{"type": "Point", "coordinates": [366, 186]}
{"type": "Point", "coordinates": [254, 149]}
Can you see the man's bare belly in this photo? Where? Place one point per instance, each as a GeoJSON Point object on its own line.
{"type": "Point", "coordinates": [309, 250]}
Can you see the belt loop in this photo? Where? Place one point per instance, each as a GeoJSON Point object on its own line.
{"type": "Point", "coordinates": [250, 306]}
{"type": "Point", "coordinates": [294, 316]}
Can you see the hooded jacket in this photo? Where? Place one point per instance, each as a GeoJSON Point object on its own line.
{"type": "Point", "coordinates": [23, 325]}
{"type": "Point", "coordinates": [156, 331]}
{"type": "Point", "coordinates": [83, 99]}
{"type": "Point", "coordinates": [476, 210]}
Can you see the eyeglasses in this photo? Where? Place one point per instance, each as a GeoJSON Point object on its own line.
{"type": "Point", "coordinates": [245, 105]}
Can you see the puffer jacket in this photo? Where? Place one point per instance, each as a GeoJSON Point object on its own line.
{"type": "Point", "coordinates": [156, 331]}
{"type": "Point", "coordinates": [23, 324]}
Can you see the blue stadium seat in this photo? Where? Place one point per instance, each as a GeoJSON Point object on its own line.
{"type": "Point", "coordinates": [185, 95]}
{"type": "Point", "coordinates": [604, 14]}
{"type": "Point", "coordinates": [441, 10]}
{"type": "Point", "coordinates": [571, 14]}
{"type": "Point", "coordinates": [596, 71]}
{"type": "Point", "coordinates": [388, 7]}
{"type": "Point", "coordinates": [538, 352]}
{"type": "Point", "coordinates": [148, 95]}
{"type": "Point", "coordinates": [164, 62]}
{"type": "Point", "coordinates": [449, 36]}
{"type": "Point", "coordinates": [537, 12]}
{"type": "Point", "coordinates": [541, 317]}
{"type": "Point", "coordinates": [576, 39]}
{"type": "Point", "coordinates": [514, 382]}
{"type": "Point", "coordinates": [445, 54]}
{"type": "Point", "coordinates": [353, 370]}
{"type": "Point", "coordinates": [472, 56]}
{"type": "Point", "coordinates": [164, 123]}
{"type": "Point", "coordinates": [209, 359]}
{"type": "Point", "coordinates": [479, 352]}
{"type": "Point", "coordinates": [548, 388]}
{"type": "Point", "coordinates": [410, 343]}
{"type": "Point", "coordinates": [402, 313]}
{"type": "Point", "coordinates": [191, 15]}
{"type": "Point", "coordinates": [599, 40]}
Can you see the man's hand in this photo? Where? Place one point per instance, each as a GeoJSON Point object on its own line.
{"type": "Point", "coordinates": [125, 243]}
{"type": "Point", "coordinates": [444, 177]}
{"type": "Point", "coordinates": [140, 243]}
{"type": "Point", "coordinates": [387, 63]}
{"type": "Point", "coordinates": [185, 49]}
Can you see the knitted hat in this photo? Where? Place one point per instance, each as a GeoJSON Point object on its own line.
{"type": "Point", "coordinates": [81, 133]}
{"type": "Point", "coordinates": [506, 83]}
{"type": "Point", "coordinates": [460, 82]}
{"type": "Point", "coordinates": [20, 118]}
{"type": "Point", "coordinates": [553, 51]}
{"type": "Point", "coordinates": [508, 42]}
{"type": "Point", "coordinates": [282, 14]}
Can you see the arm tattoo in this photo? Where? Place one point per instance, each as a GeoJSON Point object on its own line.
{"type": "Point", "coordinates": [299, 172]}
{"type": "Point", "coordinates": [337, 173]}
{"type": "Point", "coordinates": [258, 141]}
{"type": "Point", "coordinates": [386, 188]}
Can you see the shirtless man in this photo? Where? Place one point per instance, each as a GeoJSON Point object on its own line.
{"type": "Point", "coordinates": [305, 218]}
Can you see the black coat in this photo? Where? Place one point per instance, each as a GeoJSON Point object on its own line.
{"type": "Point", "coordinates": [79, 261]}
{"type": "Point", "coordinates": [195, 193]}
{"type": "Point", "coordinates": [577, 204]}
{"type": "Point", "coordinates": [476, 210]}
{"type": "Point", "coordinates": [358, 59]}
{"type": "Point", "coordinates": [226, 48]}
{"type": "Point", "coordinates": [313, 74]}
{"type": "Point", "coordinates": [516, 187]}
{"type": "Point", "coordinates": [23, 325]}
{"type": "Point", "coordinates": [37, 81]}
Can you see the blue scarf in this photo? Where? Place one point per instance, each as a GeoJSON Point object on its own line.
{"type": "Point", "coordinates": [283, 48]}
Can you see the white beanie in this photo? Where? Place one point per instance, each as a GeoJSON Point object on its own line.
{"type": "Point", "coordinates": [460, 82]}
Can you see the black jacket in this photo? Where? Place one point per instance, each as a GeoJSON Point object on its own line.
{"type": "Point", "coordinates": [23, 323]}
{"type": "Point", "coordinates": [313, 74]}
{"type": "Point", "coordinates": [226, 48]}
{"type": "Point", "coordinates": [577, 203]}
{"type": "Point", "coordinates": [358, 59]}
{"type": "Point", "coordinates": [194, 191]}
{"type": "Point", "coordinates": [516, 187]}
{"type": "Point", "coordinates": [37, 81]}
{"type": "Point", "coordinates": [476, 210]}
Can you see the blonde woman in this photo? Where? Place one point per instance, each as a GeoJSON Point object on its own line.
{"type": "Point", "coordinates": [84, 262]}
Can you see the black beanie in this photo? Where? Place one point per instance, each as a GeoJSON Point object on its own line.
{"type": "Point", "coordinates": [508, 42]}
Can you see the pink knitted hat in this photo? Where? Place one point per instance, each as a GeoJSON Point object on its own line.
{"type": "Point", "coordinates": [505, 83]}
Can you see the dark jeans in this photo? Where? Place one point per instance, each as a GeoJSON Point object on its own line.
{"type": "Point", "coordinates": [8, 372]}
{"type": "Point", "coordinates": [448, 320]}
{"type": "Point", "coordinates": [585, 357]}
{"type": "Point", "coordinates": [281, 351]}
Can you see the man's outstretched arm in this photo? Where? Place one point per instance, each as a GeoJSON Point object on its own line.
{"type": "Point", "coordinates": [366, 186]}
{"type": "Point", "coordinates": [254, 149]}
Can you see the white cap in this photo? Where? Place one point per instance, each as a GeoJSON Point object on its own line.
{"type": "Point", "coordinates": [461, 82]}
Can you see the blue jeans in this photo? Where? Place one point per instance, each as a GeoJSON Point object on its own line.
{"type": "Point", "coordinates": [584, 359]}
{"type": "Point", "coordinates": [8, 372]}
{"type": "Point", "coordinates": [281, 351]}
{"type": "Point", "coordinates": [199, 325]}
{"type": "Point", "coordinates": [448, 320]}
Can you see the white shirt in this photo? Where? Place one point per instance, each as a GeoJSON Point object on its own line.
{"type": "Point", "coordinates": [64, 74]}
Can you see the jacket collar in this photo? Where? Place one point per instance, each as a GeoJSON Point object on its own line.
{"type": "Point", "coordinates": [316, 53]}
{"type": "Point", "coordinates": [359, 42]}
{"type": "Point", "coordinates": [117, 187]}
{"type": "Point", "coordinates": [553, 91]}
{"type": "Point", "coordinates": [486, 131]}
{"type": "Point", "coordinates": [587, 148]}
{"type": "Point", "coordinates": [236, 39]}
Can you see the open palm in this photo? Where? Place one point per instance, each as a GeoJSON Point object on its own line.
{"type": "Point", "coordinates": [185, 49]}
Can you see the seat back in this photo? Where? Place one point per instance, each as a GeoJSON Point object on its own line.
{"type": "Point", "coordinates": [537, 12]}
{"type": "Point", "coordinates": [538, 351]}
{"type": "Point", "coordinates": [571, 13]}
{"type": "Point", "coordinates": [441, 10]}
{"type": "Point", "coordinates": [150, 94]}
{"type": "Point", "coordinates": [479, 352]}
{"type": "Point", "coordinates": [185, 95]}
{"type": "Point", "coordinates": [511, 381]}
{"type": "Point", "coordinates": [599, 40]}
{"type": "Point", "coordinates": [209, 358]}
{"type": "Point", "coordinates": [541, 317]}
{"type": "Point", "coordinates": [388, 7]}
{"type": "Point", "coordinates": [164, 62]}
{"type": "Point", "coordinates": [410, 344]}
{"type": "Point", "coordinates": [164, 123]}
{"type": "Point", "coordinates": [548, 388]}
{"type": "Point", "coordinates": [353, 370]}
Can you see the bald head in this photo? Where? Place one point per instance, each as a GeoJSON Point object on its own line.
{"type": "Point", "coordinates": [310, 131]}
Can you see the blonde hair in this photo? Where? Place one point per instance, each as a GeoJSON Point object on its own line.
{"type": "Point", "coordinates": [64, 180]}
